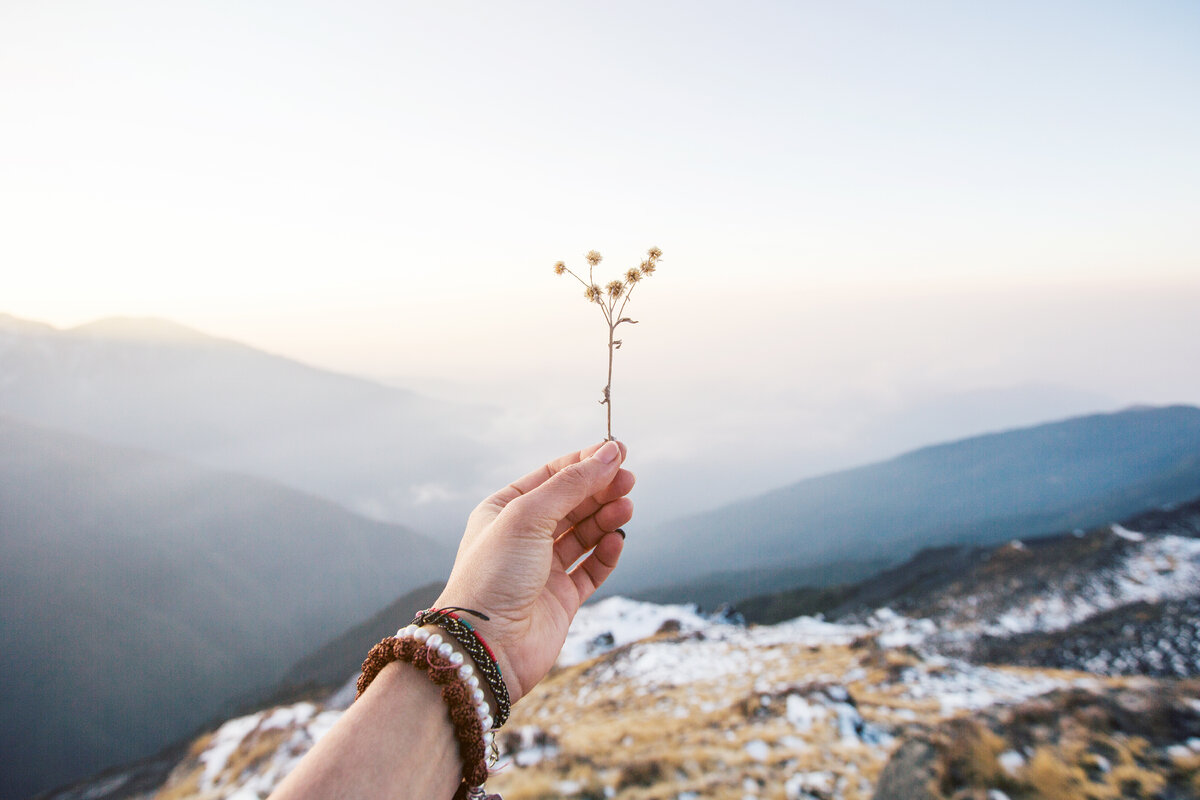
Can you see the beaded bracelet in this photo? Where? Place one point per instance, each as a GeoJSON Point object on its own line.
{"type": "Point", "coordinates": [469, 639]}
{"type": "Point", "coordinates": [464, 699]}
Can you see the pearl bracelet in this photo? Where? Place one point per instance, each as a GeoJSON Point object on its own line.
{"type": "Point", "coordinates": [470, 640]}
{"type": "Point", "coordinates": [443, 647]}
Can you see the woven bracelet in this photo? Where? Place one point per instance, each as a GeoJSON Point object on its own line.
{"type": "Point", "coordinates": [469, 639]}
{"type": "Point", "coordinates": [460, 692]}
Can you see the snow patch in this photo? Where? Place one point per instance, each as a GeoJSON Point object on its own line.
{"type": "Point", "coordinates": [224, 742]}
{"type": "Point", "coordinates": [803, 785]}
{"type": "Point", "coordinates": [1132, 536]}
{"type": "Point", "coordinates": [1011, 762]}
{"type": "Point", "coordinates": [758, 749]}
{"type": "Point", "coordinates": [1163, 568]}
{"type": "Point", "coordinates": [618, 621]}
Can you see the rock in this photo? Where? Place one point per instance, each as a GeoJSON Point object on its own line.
{"type": "Point", "coordinates": [911, 773]}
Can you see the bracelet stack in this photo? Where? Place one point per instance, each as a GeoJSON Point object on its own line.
{"type": "Point", "coordinates": [462, 692]}
{"type": "Point", "coordinates": [468, 711]}
{"type": "Point", "coordinates": [469, 639]}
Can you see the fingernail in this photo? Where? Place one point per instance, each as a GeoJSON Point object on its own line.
{"type": "Point", "coordinates": [620, 531]}
{"type": "Point", "coordinates": [608, 453]}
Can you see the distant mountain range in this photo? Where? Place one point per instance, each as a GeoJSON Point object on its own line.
{"type": "Point", "coordinates": [383, 452]}
{"type": "Point", "coordinates": [1078, 473]}
{"type": "Point", "coordinates": [141, 595]}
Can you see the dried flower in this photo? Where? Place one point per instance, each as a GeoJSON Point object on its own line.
{"type": "Point", "coordinates": [614, 311]}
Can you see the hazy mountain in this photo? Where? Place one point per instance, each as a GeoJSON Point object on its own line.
{"type": "Point", "coordinates": [381, 451]}
{"type": "Point", "coordinates": [140, 595]}
{"type": "Point", "coordinates": [332, 664]}
{"type": "Point", "coordinates": [1078, 473]}
{"type": "Point", "coordinates": [952, 416]}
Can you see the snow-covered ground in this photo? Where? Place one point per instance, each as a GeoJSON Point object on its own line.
{"type": "Point", "coordinates": [617, 621]}
{"type": "Point", "coordinates": [698, 650]}
{"type": "Point", "coordinates": [1158, 568]}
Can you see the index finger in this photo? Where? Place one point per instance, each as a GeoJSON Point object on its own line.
{"type": "Point", "coordinates": [544, 473]}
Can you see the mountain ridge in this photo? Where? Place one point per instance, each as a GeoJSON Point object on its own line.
{"type": "Point", "coordinates": [384, 452]}
{"type": "Point", "coordinates": [1079, 472]}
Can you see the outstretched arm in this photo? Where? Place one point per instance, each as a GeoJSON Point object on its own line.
{"type": "Point", "coordinates": [517, 564]}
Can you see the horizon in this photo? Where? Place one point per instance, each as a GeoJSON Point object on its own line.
{"type": "Point", "coordinates": [669, 480]}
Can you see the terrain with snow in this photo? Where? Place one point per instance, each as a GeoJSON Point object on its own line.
{"type": "Point", "coordinates": [651, 701]}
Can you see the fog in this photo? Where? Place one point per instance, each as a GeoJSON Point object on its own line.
{"type": "Point", "coordinates": [720, 395]}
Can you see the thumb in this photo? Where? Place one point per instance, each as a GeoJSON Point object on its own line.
{"type": "Point", "coordinates": [558, 495]}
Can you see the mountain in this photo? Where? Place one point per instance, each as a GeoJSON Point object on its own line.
{"type": "Point", "coordinates": [141, 595]}
{"type": "Point", "coordinates": [383, 452]}
{"type": "Point", "coordinates": [330, 665]}
{"type": "Point", "coordinates": [1078, 473]}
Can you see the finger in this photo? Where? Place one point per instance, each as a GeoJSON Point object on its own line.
{"type": "Point", "coordinates": [621, 485]}
{"type": "Point", "coordinates": [588, 533]}
{"type": "Point", "coordinates": [595, 569]}
{"type": "Point", "coordinates": [542, 474]}
{"type": "Point", "coordinates": [544, 506]}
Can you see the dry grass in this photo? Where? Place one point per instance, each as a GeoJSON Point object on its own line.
{"type": "Point", "coordinates": [255, 750]}
{"type": "Point", "coordinates": [730, 737]}
{"type": "Point", "coordinates": [200, 745]}
{"type": "Point", "coordinates": [970, 756]}
{"type": "Point", "coordinates": [1049, 778]}
{"type": "Point", "coordinates": [653, 745]}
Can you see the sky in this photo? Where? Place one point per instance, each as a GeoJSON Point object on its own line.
{"type": "Point", "coordinates": [879, 220]}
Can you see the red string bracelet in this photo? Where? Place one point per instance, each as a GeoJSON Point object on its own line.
{"type": "Point", "coordinates": [447, 670]}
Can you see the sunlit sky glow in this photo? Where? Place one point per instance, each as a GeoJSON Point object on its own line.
{"type": "Point", "coordinates": [853, 199]}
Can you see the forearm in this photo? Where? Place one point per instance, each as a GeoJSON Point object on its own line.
{"type": "Point", "coordinates": [396, 741]}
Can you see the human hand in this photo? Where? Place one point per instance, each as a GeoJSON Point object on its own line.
{"type": "Point", "coordinates": [514, 562]}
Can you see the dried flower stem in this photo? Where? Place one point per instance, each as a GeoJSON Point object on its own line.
{"type": "Point", "coordinates": [607, 299]}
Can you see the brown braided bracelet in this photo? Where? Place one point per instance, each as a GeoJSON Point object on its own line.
{"type": "Point", "coordinates": [470, 727]}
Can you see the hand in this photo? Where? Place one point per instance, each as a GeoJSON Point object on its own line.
{"type": "Point", "coordinates": [514, 563]}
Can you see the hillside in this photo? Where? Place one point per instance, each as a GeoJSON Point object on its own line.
{"type": "Point", "coordinates": [1113, 601]}
{"type": "Point", "coordinates": [330, 665]}
{"type": "Point", "coordinates": [804, 710]}
{"type": "Point", "coordinates": [1079, 473]}
{"type": "Point", "coordinates": [141, 595]}
{"type": "Point", "coordinates": [386, 453]}
{"type": "Point", "coordinates": [652, 702]}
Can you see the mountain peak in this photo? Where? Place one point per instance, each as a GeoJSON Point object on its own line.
{"type": "Point", "coordinates": [8, 322]}
{"type": "Point", "coordinates": [150, 329]}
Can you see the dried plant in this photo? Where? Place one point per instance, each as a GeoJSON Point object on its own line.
{"type": "Point", "coordinates": [608, 298]}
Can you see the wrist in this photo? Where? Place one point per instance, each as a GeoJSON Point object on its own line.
{"type": "Point", "coordinates": [459, 633]}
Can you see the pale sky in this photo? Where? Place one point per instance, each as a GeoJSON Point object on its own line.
{"type": "Point", "coordinates": [860, 204]}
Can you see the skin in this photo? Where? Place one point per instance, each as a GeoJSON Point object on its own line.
{"type": "Point", "coordinates": [518, 564]}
